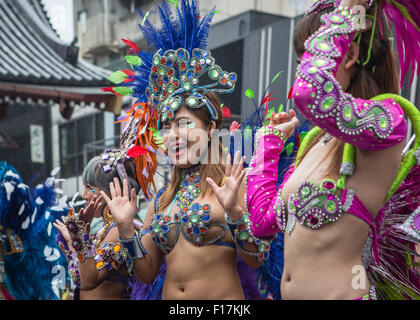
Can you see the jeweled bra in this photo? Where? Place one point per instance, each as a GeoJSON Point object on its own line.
{"type": "Point", "coordinates": [193, 219]}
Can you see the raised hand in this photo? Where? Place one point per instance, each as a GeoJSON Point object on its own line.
{"type": "Point", "coordinates": [227, 194]}
{"type": "Point", "coordinates": [284, 122]}
{"type": "Point", "coordinates": [122, 206]}
{"type": "Point", "coordinates": [86, 214]}
{"type": "Point", "coordinates": [60, 226]}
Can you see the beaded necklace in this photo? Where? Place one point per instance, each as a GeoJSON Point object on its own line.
{"type": "Point", "coordinates": [189, 188]}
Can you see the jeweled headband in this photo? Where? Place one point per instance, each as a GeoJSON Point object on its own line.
{"type": "Point", "coordinates": [182, 70]}
{"type": "Point", "coordinates": [175, 73]}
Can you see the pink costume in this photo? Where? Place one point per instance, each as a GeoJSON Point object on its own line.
{"type": "Point", "coordinates": [365, 124]}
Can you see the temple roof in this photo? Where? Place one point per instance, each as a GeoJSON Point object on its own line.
{"type": "Point", "coordinates": [32, 53]}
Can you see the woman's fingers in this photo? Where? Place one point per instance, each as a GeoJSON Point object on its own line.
{"type": "Point", "coordinates": [125, 188]}
{"type": "Point", "coordinates": [235, 163]}
{"type": "Point", "coordinates": [106, 198]}
{"type": "Point", "coordinates": [133, 198]}
{"type": "Point", "coordinates": [117, 187]}
{"type": "Point", "coordinates": [240, 168]}
{"type": "Point", "coordinates": [212, 184]}
{"type": "Point", "coordinates": [228, 165]}
{"type": "Point", "coordinates": [112, 190]}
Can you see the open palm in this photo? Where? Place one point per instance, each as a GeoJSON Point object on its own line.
{"type": "Point", "coordinates": [122, 207]}
{"type": "Point", "coordinates": [227, 194]}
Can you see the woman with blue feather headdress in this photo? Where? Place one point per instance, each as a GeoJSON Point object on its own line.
{"type": "Point", "coordinates": [186, 230]}
{"type": "Point", "coordinates": [28, 240]}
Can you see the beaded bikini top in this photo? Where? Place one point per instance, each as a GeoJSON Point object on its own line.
{"type": "Point", "coordinates": [193, 220]}
{"type": "Point", "coordinates": [315, 205]}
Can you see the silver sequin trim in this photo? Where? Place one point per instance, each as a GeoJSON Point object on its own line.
{"type": "Point", "coordinates": [409, 228]}
{"type": "Point", "coordinates": [291, 222]}
{"type": "Point", "coordinates": [367, 252]}
{"type": "Point", "coordinates": [347, 169]}
{"type": "Point", "coordinates": [349, 200]}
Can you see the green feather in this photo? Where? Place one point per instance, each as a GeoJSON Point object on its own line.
{"type": "Point", "coordinates": [124, 91]}
{"type": "Point", "coordinates": [134, 60]}
{"type": "Point", "coordinates": [117, 77]}
{"type": "Point", "coordinates": [249, 94]}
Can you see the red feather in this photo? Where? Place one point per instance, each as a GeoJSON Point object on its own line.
{"type": "Point", "coordinates": [136, 151]}
{"type": "Point", "coordinates": [110, 89]}
{"type": "Point", "coordinates": [226, 112]}
{"type": "Point", "coordinates": [133, 47]}
{"type": "Point", "coordinates": [290, 95]}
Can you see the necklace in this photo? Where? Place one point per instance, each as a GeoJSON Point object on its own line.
{"type": "Point", "coordinates": [189, 188]}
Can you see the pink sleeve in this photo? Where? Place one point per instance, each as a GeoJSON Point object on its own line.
{"type": "Point", "coordinates": [366, 124]}
{"type": "Point", "coordinates": [261, 182]}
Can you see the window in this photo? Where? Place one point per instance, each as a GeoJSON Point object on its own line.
{"type": "Point", "coordinates": [73, 136]}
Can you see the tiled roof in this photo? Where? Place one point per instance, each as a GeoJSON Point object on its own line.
{"type": "Point", "coordinates": [32, 53]}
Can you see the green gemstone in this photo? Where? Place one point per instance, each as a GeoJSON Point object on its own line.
{"type": "Point", "coordinates": [329, 87]}
{"type": "Point", "coordinates": [327, 103]}
{"type": "Point", "coordinates": [331, 206]}
{"type": "Point", "coordinates": [243, 235]}
{"type": "Point", "coordinates": [292, 207]}
{"type": "Point", "coordinates": [156, 60]}
{"type": "Point", "coordinates": [190, 187]}
{"type": "Point", "coordinates": [335, 19]}
{"type": "Point", "coordinates": [313, 70]}
{"type": "Point", "coordinates": [175, 104]}
{"type": "Point", "coordinates": [383, 122]}
{"type": "Point", "coordinates": [194, 218]}
{"type": "Point", "coordinates": [156, 228]}
{"type": "Point", "coordinates": [191, 101]}
{"type": "Point", "coordinates": [187, 85]}
{"type": "Point", "coordinates": [214, 73]}
{"type": "Point", "coordinates": [171, 88]}
{"type": "Point", "coordinates": [320, 62]}
{"type": "Point", "coordinates": [161, 71]}
{"type": "Point", "coordinates": [306, 191]}
{"type": "Point", "coordinates": [348, 111]}
{"type": "Point", "coordinates": [324, 47]}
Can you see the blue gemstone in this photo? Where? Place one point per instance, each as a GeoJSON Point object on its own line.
{"type": "Point", "coordinates": [188, 195]}
{"type": "Point", "coordinates": [168, 63]}
{"type": "Point", "coordinates": [158, 216]}
{"type": "Point", "coordinates": [205, 54]}
{"type": "Point", "coordinates": [181, 54]}
{"type": "Point", "coordinates": [195, 207]}
{"type": "Point", "coordinates": [196, 230]}
{"type": "Point", "coordinates": [190, 74]}
{"type": "Point", "coordinates": [197, 180]}
{"type": "Point", "coordinates": [197, 54]}
{"type": "Point", "coordinates": [185, 184]}
{"type": "Point", "coordinates": [165, 79]}
{"type": "Point", "coordinates": [168, 108]}
{"type": "Point", "coordinates": [206, 218]}
{"type": "Point", "coordinates": [185, 219]}
{"type": "Point", "coordinates": [157, 240]}
{"type": "Point", "coordinates": [233, 77]}
{"type": "Point", "coordinates": [164, 228]}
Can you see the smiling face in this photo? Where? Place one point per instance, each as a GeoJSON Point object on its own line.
{"type": "Point", "coordinates": [186, 138]}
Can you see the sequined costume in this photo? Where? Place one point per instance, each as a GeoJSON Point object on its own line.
{"type": "Point", "coordinates": [366, 124]}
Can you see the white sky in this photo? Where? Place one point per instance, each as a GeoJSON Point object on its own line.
{"type": "Point", "coordinates": [61, 17]}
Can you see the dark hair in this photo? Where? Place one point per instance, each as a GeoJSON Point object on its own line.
{"type": "Point", "coordinates": [215, 171]}
{"type": "Point", "coordinates": [95, 176]}
{"type": "Point", "coordinates": [378, 76]}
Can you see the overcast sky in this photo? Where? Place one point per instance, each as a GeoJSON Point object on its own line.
{"type": "Point", "coordinates": [61, 17]}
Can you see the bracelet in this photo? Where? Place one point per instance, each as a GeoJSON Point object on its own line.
{"type": "Point", "coordinates": [134, 246]}
{"type": "Point", "coordinates": [111, 256]}
{"type": "Point", "coordinates": [79, 235]}
{"type": "Point", "coordinates": [241, 232]}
